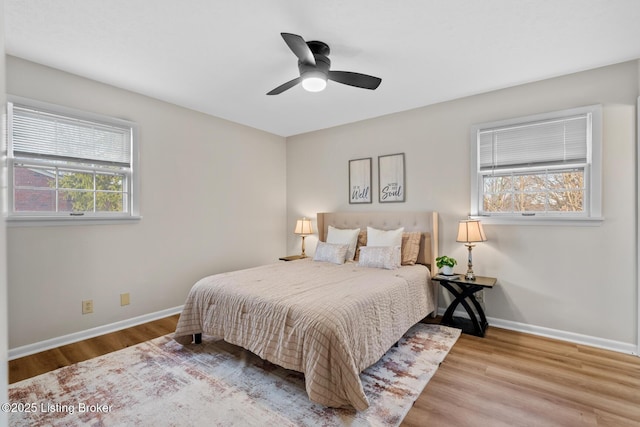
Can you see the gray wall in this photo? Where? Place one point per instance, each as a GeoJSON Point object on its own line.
{"type": "Point", "coordinates": [212, 200]}
{"type": "Point", "coordinates": [550, 277]}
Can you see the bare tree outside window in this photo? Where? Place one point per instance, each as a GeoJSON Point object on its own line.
{"type": "Point", "coordinates": [546, 191]}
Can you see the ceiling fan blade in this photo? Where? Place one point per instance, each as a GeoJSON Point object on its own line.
{"type": "Point", "coordinates": [299, 47]}
{"type": "Point", "coordinates": [355, 79]}
{"type": "Point", "coordinates": [285, 86]}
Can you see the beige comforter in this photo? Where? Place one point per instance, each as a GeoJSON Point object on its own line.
{"type": "Point", "coordinates": [328, 321]}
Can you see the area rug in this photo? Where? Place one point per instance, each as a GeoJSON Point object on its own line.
{"type": "Point", "coordinates": [161, 383]}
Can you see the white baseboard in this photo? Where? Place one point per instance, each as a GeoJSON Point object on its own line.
{"type": "Point", "coordinates": [26, 350]}
{"type": "Point", "coordinates": [620, 347]}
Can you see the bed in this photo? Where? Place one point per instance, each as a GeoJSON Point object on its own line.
{"type": "Point", "coordinates": [327, 320]}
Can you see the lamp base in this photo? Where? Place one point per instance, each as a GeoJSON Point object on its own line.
{"type": "Point", "coordinates": [469, 275]}
{"type": "Point", "coordinates": [303, 255]}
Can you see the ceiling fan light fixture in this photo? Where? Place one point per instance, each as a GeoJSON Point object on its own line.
{"type": "Point", "coordinates": [314, 81]}
{"type": "Point", "coordinates": [315, 68]}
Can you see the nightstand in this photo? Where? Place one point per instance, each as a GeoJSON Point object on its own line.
{"type": "Point", "coordinates": [292, 257]}
{"type": "Point", "coordinates": [463, 290]}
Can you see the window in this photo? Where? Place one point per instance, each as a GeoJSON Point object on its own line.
{"type": "Point", "coordinates": [538, 168]}
{"type": "Point", "coordinates": [67, 164]}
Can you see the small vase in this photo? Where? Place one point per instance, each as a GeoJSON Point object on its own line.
{"type": "Point", "coordinates": [447, 271]}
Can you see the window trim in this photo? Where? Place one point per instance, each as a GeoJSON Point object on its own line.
{"type": "Point", "coordinates": [593, 173]}
{"type": "Point", "coordinates": [54, 218]}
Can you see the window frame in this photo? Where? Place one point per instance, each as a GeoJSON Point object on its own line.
{"type": "Point", "coordinates": [592, 214]}
{"type": "Point", "coordinates": [61, 218]}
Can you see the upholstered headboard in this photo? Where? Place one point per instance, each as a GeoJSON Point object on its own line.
{"type": "Point", "coordinates": [426, 222]}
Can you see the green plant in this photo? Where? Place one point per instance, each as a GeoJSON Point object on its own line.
{"type": "Point", "coordinates": [441, 261]}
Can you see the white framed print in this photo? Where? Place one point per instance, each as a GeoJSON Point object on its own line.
{"type": "Point", "coordinates": [360, 180]}
{"type": "Point", "coordinates": [391, 186]}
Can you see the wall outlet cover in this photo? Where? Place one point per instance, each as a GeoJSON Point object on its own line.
{"type": "Point", "coordinates": [125, 299]}
{"type": "Point", "coordinates": [87, 306]}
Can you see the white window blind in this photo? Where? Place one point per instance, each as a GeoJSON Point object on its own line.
{"type": "Point", "coordinates": [38, 133]}
{"type": "Point", "coordinates": [543, 143]}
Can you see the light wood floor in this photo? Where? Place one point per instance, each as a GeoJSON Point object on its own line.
{"type": "Point", "coordinates": [505, 379]}
{"type": "Point", "coordinates": [39, 363]}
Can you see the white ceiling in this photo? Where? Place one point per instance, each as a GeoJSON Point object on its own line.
{"type": "Point", "coordinates": [222, 57]}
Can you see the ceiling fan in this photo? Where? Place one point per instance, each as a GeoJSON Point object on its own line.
{"type": "Point", "coordinates": [314, 66]}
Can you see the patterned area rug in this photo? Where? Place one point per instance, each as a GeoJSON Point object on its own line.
{"type": "Point", "coordinates": [162, 383]}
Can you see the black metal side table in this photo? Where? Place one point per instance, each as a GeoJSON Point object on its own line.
{"type": "Point", "coordinates": [463, 290]}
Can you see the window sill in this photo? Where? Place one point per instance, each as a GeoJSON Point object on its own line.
{"type": "Point", "coordinates": [36, 221]}
{"type": "Point", "coordinates": [568, 222]}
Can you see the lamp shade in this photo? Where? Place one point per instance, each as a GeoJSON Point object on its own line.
{"type": "Point", "coordinates": [303, 227]}
{"type": "Point", "coordinates": [470, 231]}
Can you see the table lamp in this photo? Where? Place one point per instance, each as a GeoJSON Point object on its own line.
{"type": "Point", "coordinates": [469, 232]}
{"type": "Point", "coordinates": [303, 229]}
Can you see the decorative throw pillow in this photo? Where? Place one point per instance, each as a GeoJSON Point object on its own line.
{"type": "Point", "coordinates": [377, 237]}
{"type": "Point", "coordinates": [380, 257]}
{"type": "Point", "coordinates": [410, 247]}
{"type": "Point", "coordinates": [330, 252]}
{"type": "Point", "coordinates": [344, 237]}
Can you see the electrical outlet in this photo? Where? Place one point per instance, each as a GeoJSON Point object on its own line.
{"type": "Point", "coordinates": [87, 306]}
{"type": "Point", "coordinates": [124, 299]}
{"type": "Point", "coordinates": [480, 296]}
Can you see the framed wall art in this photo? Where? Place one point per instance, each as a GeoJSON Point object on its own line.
{"type": "Point", "coordinates": [360, 180]}
{"type": "Point", "coordinates": [391, 186]}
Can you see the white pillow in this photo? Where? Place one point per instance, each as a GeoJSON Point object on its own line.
{"type": "Point", "coordinates": [380, 257]}
{"type": "Point", "coordinates": [330, 252]}
{"type": "Point", "coordinates": [344, 237]}
{"type": "Point", "coordinates": [377, 237]}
